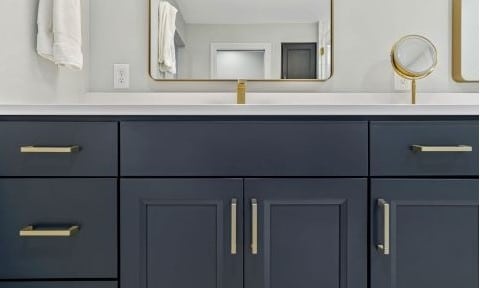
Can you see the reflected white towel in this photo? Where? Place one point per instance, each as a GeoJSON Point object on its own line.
{"type": "Point", "coordinates": [45, 29]}
{"type": "Point", "coordinates": [167, 15]}
{"type": "Point", "coordinates": [59, 37]}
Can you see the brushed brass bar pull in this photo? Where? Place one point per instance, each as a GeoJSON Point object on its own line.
{"type": "Point", "coordinates": [385, 247]}
{"type": "Point", "coordinates": [46, 149]}
{"type": "Point", "coordinates": [233, 232]}
{"type": "Point", "coordinates": [254, 245]}
{"type": "Point", "coordinates": [30, 231]}
{"type": "Point", "coordinates": [458, 148]}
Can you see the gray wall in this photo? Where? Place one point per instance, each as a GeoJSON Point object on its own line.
{"type": "Point", "coordinates": [364, 32]}
{"type": "Point", "coordinates": [23, 75]}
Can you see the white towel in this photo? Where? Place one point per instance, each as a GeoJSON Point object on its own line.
{"type": "Point", "coordinates": [167, 15]}
{"type": "Point", "coordinates": [59, 36]}
{"type": "Point", "coordinates": [45, 29]}
{"type": "Point", "coordinates": [67, 33]}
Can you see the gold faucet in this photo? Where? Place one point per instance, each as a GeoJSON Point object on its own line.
{"type": "Point", "coordinates": [241, 91]}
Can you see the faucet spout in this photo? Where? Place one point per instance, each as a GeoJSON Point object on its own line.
{"type": "Point", "coordinates": [241, 91]}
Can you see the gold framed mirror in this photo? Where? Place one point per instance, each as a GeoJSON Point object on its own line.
{"type": "Point", "coordinates": [465, 39]}
{"type": "Point", "coordinates": [254, 40]}
{"type": "Point", "coordinates": [414, 57]}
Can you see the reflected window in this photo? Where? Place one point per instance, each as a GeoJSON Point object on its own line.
{"type": "Point", "coordinates": [240, 64]}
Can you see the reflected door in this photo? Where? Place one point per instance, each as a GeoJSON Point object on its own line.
{"type": "Point", "coordinates": [299, 60]}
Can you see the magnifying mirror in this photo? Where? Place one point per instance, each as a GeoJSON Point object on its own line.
{"type": "Point", "coordinates": [414, 57]}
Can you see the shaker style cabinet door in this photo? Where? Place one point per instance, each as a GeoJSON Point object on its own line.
{"type": "Point", "coordinates": [181, 233]}
{"type": "Point", "coordinates": [424, 233]}
{"type": "Point", "coordinates": [305, 233]}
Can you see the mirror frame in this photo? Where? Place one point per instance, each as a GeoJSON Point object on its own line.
{"type": "Point", "coordinates": [457, 43]}
{"type": "Point", "coordinates": [149, 6]}
{"type": "Point", "coordinates": [409, 74]}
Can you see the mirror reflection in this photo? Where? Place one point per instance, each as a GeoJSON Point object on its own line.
{"type": "Point", "coordinates": [250, 39]}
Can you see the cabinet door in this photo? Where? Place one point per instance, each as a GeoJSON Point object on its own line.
{"type": "Point", "coordinates": [177, 233]}
{"type": "Point", "coordinates": [309, 233]}
{"type": "Point", "coordinates": [430, 228]}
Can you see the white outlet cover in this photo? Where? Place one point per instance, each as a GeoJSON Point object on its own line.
{"type": "Point", "coordinates": [400, 83]}
{"type": "Point", "coordinates": [121, 76]}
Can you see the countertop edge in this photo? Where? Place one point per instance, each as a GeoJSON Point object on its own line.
{"type": "Point", "coordinates": [238, 110]}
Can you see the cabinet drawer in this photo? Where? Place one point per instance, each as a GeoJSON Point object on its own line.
{"type": "Point", "coordinates": [253, 148]}
{"type": "Point", "coordinates": [449, 148]}
{"type": "Point", "coordinates": [60, 284]}
{"type": "Point", "coordinates": [52, 206]}
{"type": "Point", "coordinates": [59, 149]}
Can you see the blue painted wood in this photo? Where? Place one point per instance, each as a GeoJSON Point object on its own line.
{"type": "Point", "coordinates": [248, 148]}
{"type": "Point", "coordinates": [89, 203]}
{"type": "Point", "coordinates": [176, 233]}
{"type": "Point", "coordinates": [391, 154]}
{"type": "Point", "coordinates": [97, 156]}
{"type": "Point", "coordinates": [60, 284]}
{"type": "Point", "coordinates": [433, 237]}
{"type": "Point", "coordinates": [312, 233]}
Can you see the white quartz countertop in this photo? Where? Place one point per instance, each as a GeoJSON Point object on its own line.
{"type": "Point", "coordinates": [222, 104]}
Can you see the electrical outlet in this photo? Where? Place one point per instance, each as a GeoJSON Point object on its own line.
{"type": "Point", "coordinates": [401, 84]}
{"type": "Point", "coordinates": [121, 76]}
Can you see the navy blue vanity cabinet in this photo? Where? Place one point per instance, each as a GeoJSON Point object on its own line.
{"type": "Point", "coordinates": [431, 234]}
{"type": "Point", "coordinates": [305, 233]}
{"type": "Point", "coordinates": [424, 231]}
{"type": "Point", "coordinates": [58, 149]}
{"type": "Point", "coordinates": [60, 284]}
{"type": "Point", "coordinates": [239, 202]}
{"type": "Point", "coordinates": [244, 148]}
{"type": "Point", "coordinates": [58, 203]}
{"type": "Point", "coordinates": [424, 148]}
{"type": "Point", "coordinates": [178, 232]}
{"type": "Point", "coordinates": [181, 233]}
{"type": "Point", "coordinates": [32, 209]}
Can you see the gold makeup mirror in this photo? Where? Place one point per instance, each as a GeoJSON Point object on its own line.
{"type": "Point", "coordinates": [414, 57]}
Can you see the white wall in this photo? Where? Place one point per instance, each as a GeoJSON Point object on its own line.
{"type": "Point", "coordinates": [24, 76]}
{"type": "Point", "coordinates": [364, 32]}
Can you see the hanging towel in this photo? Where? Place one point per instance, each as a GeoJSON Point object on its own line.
{"type": "Point", "coordinates": [59, 36]}
{"type": "Point", "coordinates": [67, 33]}
{"type": "Point", "coordinates": [167, 15]}
{"type": "Point", "coordinates": [45, 29]}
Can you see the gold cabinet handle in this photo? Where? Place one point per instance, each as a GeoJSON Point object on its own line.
{"type": "Point", "coordinates": [233, 227]}
{"type": "Point", "coordinates": [458, 148]}
{"type": "Point", "coordinates": [254, 245]}
{"type": "Point", "coordinates": [47, 149]}
{"type": "Point", "coordinates": [30, 231]}
{"type": "Point", "coordinates": [385, 247]}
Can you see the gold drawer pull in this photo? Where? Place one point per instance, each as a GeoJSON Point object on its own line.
{"type": "Point", "coordinates": [45, 149]}
{"type": "Point", "coordinates": [385, 247]}
{"type": "Point", "coordinates": [30, 231]}
{"type": "Point", "coordinates": [233, 224]}
{"type": "Point", "coordinates": [254, 245]}
{"type": "Point", "coordinates": [459, 148]}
